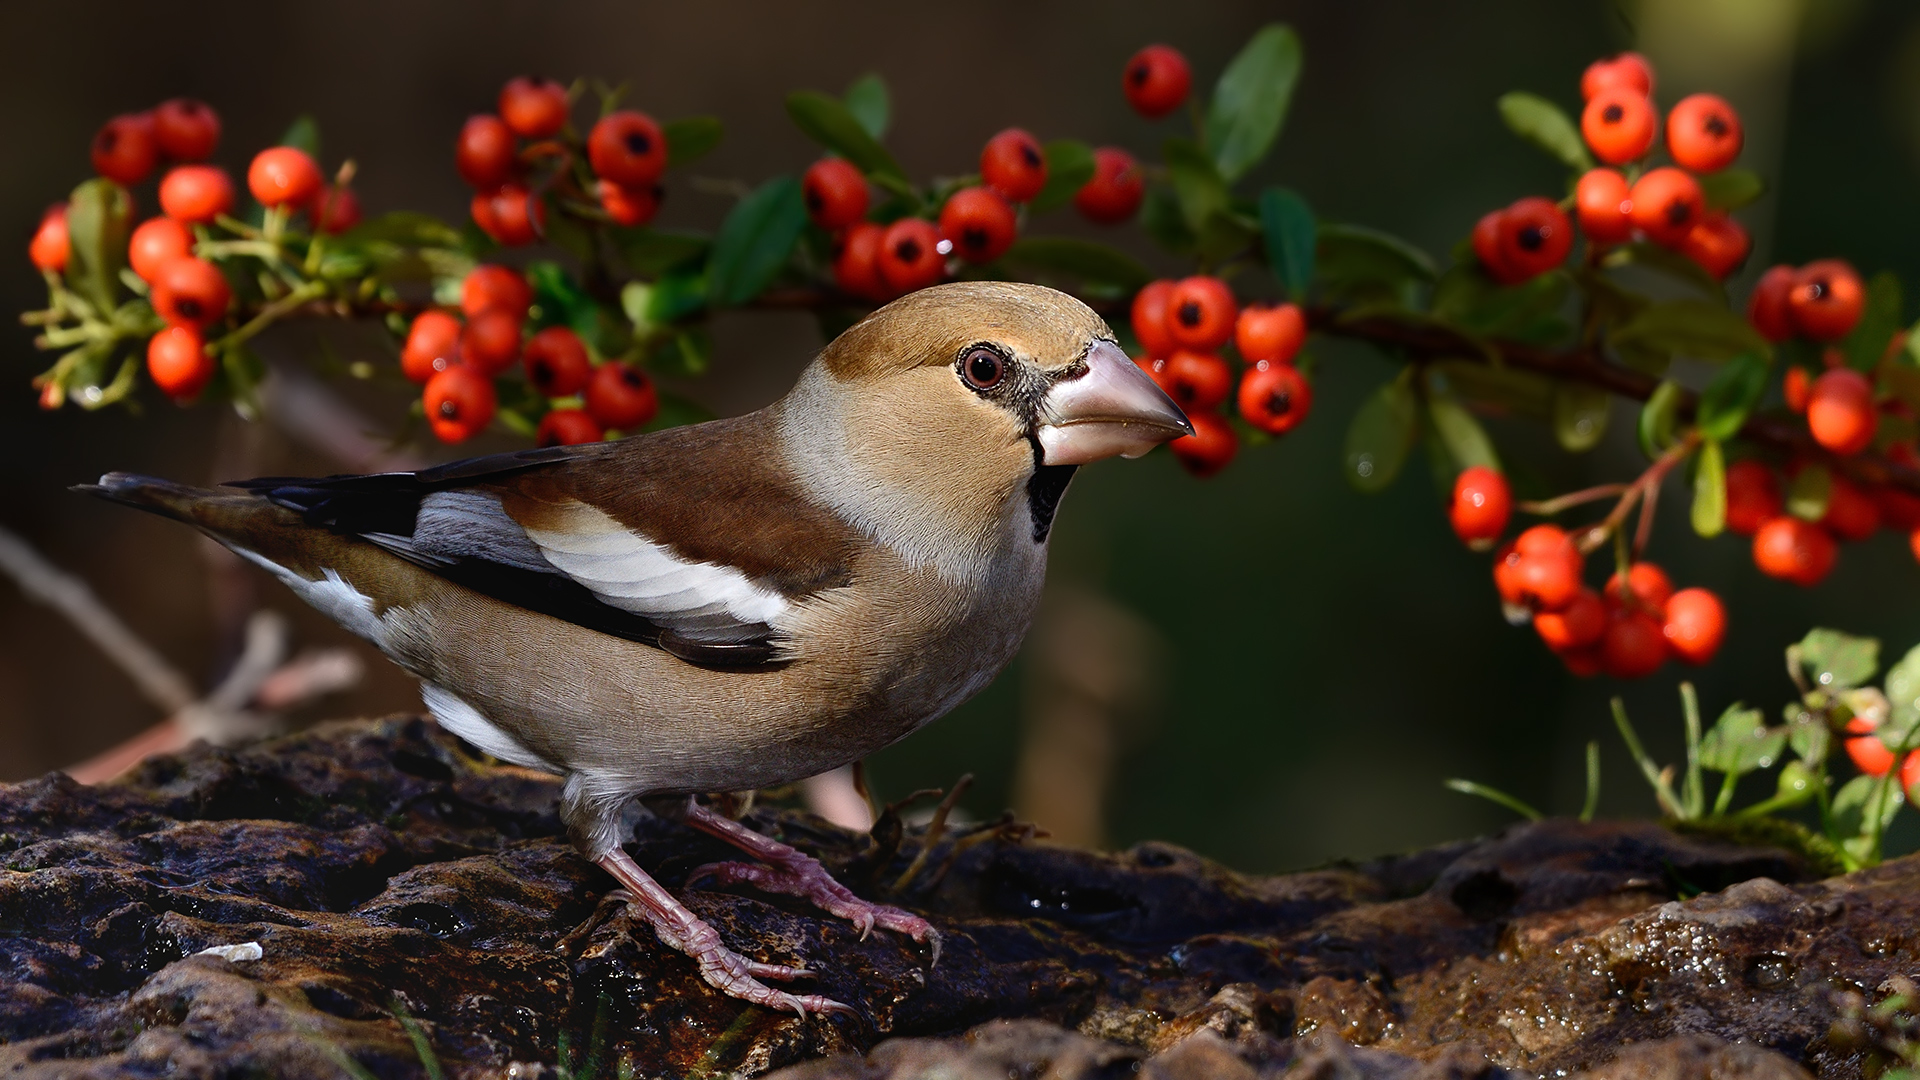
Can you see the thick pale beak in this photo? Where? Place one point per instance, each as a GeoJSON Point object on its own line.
{"type": "Point", "coordinates": [1110, 408]}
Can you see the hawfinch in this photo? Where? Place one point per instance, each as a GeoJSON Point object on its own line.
{"type": "Point", "coordinates": [734, 604]}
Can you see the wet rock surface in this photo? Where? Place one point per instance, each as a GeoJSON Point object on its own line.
{"type": "Point", "coordinates": [316, 905]}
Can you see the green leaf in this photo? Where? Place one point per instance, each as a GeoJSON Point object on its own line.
{"type": "Point", "coordinates": [1740, 742]}
{"type": "Point", "coordinates": [1250, 101]}
{"type": "Point", "coordinates": [1069, 167]}
{"type": "Point", "coordinates": [1160, 217]}
{"type": "Point", "coordinates": [688, 355]}
{"type": "Point", "coordinates": [1382, 433]}
{"type": "Point", "coordinates": [1291, 234]}
{"type": "Point", "coordinates": [1809, 736]}
{"type": "Point", "coordinates": [1808, 491]}
{"type": "Point", "coordinates": [1580, 415]}
{"type": "Point", "coordinates": [691, 137]}
{"type": "Point", "coordinates": [406, 228]}
{"type": "Point", "coordinates": [1852, 812]}
{"type": "Point", "coordinates": [560, 301]}
{"type": "Point", "coordinates": [755, 241]}
{"type": "Point", "coordinates": [655, 251]}
{"type": "Point", "coordinates": [1878, 323]}
{"type": "Point", "coordinates": [1465, 440]}
{"type": "Point", "coordinates": [1671, 263]}
{"type": "Point", "coordinates": [99, 215]}
{"type": "Point", "coordinates": [1543, 124]}
{"type": "Point", "coordinates": [1692, 328]}
{"type": "Point", "coordinates": [828, 122]}
{"type": "Point", "coordinates": [1837, 661]}
{"type": "Point", "coordinates": [870, 104]}
{"type": "Point", "coordinates": [674, 297]}
{"type": "Point", "coordinates": [1354, 264]}
{"type": "Point", "coordinates": [1710, 491]}
{"type": "Point", "coordinates": [1731, 189]}
{"type": "Point", "coordinates": [1657, 418]}
{"type": "Point", "coordinates": [1732, 394]}
{"type": "Point", "coordinates": [1082, 259]}
{"type": "Point", "coordinates": [1348, 241]}
{"type": "Point", "coordinates": [1903, 691]}
{"type": "Point", "coordinates": [1197, 184]}
{"type": "Point", "coordinates": [304, 134]}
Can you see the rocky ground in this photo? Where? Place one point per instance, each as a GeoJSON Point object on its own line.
{"type": "Point", "coordinates": [325, 904]}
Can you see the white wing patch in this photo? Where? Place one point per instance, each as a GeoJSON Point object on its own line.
{"type": "Point", "coordinates": [332, 595]}
{"type": "Point", "coordinates": [465, 721]}
{"type": "Point", "coordinates": [624, 569]}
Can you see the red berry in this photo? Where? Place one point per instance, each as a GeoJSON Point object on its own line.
{"type": "Point", "coordinates": [1768, 308]}
{"type": "Point", "coordinates": [567, 427]}
{"type": "Point", "coordinates": [1794, 550]}
{"type": "Point", "coordinates": [1851, 513]}
{"type": "Point", "coordinates": [491, 285]}
{"type": "Point", "coordinates": [1649, 585]}
{"type": "Point", "coordinates": [1899, 509]}
{"type": "Point", "coordinates": [979, 223]}
{"type": "Point", "coordinates": [1696, 624]}
{"type": "Point", "coordinates": [557, 362]}
{"type": "Point", "coordinates": [1156, 80]}
{"type": "Point", "coordinates": [1486, 248]}
{"type": "Point", "coordinates": [190, 292]}
{"type": "Point", "coordinates": [1619, 124]}
{"type": "Point", "coordinates": [1629, 70]}
{"type": "Point", "coordinates": [628, 148]}
{"type": "Point", "coordinates": [1114, 193]}
{"type": "Point", "coordinates": [484, 153]}
{"type": "Point", "coordinates": [491, 342]}
{"type": "Point", "coordinates": [627, 206]}
{"type": "Point", "coordinates": [1198, 381]}
{"type": "Point", "coordinates": [1210, 447]}
{"type": "Point", "coordinates": [196, 193]}
{"type": "Point", "coordinates": [1534, 236]}
{"type": "Point", "coordinates": [335, 210]}
{"type": "Point", "coordinates": [1910, 778]}
{"type": "Point", "coordinates": [1270, 332]}
{"type": "Point", "coordinates": [1548, 572]}
{"type": "Point", "coordinates": [1583, 663]}
{"type": "Point", "coordinates": [1014, 165]}
{"type": "Point", "coordinates": [1507, 562]}
{"type": "Point", "coordinates": [1201, 313]}
{"type": "Point", "coordinates": [178, 362]}
{"type": "Point", "coordinates": [512, 216]}
{"type": "Point", "coordinates": [185, 129]}
{"type": "Point", "coordinates": [621, 397]}
{"type": "Point", "coordinates": [1870, 755]}
{"type": "Point", "coordinates": [1149, 317]}
{"type": "Point", "coordinates": [1633, 646]}
{"type": "Point", "coordinates": [1604, 203]}
{"type": "Point", "coordinates": [51, 246]}
{"type": "Point", "coordinates": [1667, 204]}
{"type": "Point", "coordinates": [283, 175]}
{"type": "Point", "coordinates": [156, 242]}
{"type": "Point", "coordinates": [1275, 397]}
{"type": "Point", "coordinates": [1482, 505]}
{"type": "Point", "coordinates": [460, 402]}
{"type": "Point", "coordinates": [909, 256]}
{"type": "Point", "coordinates": [835, 192]}
{"type": "Point", "coordinates": [1840, 411]}
{"type": "Point", "coordinates": [1575, 626]}
{"type": "Point", "coordinates": [1826, 300]}
{"type": "Point", "coordinates": [533, 107]}
{"type": "Point", "coordinates": [1703, 133]}
{"type": "Point", "coordinates": [125, 150]}
{"type": "Point", "coordinates": [1753, 497]}
{"type": "Point", "coordinates": [433, 345]}
{"type": "Point", "coordinates": [1718, 243]}
{"type": "Point", "coordinates": [1796, 386]}
{"type": "Point", "coordinates": [856, 262]}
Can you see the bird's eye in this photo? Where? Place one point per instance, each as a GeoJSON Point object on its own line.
{"type": "Point", "coordinates": [982, 368]}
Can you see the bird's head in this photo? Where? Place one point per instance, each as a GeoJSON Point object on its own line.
{"type": "Point", "coordinates": [956, 409]}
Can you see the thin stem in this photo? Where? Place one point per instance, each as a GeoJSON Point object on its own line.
{"type": "Point", "coordinates": [290, 302]}
{"type": "Point", "coordinates": [1662, 791]}
{"type": "Point", "coordinates": [1695, 788]}
{"type": "Point", "coordinates": [1468, 787]}
{"type": "Point", "coordinates": [1593, 781]}
{"type": "Point", "coordinates": [1725, 798]}
{"type": "Point", "coordinates": [1559, 503]}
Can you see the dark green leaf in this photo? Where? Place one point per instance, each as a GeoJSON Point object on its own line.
{"type": "Point", "coordinates": [1342, 241]}
{"type": "Point", "coordinates": [1740, 742]}
{"type": "Point", "coordinates": [1668, 262]}
{"type": "Point", "coordinates": [687, 355]}
{"type": "Point", "coordinates": [1196, 183]}
{"type": "Point", "coordinates": [867, 99]}
{"type": "Point", "coordinates": [1383, 431]}
{"type": "Point", "coordinates": [1465, 441]}
{"type": "Point", "coordinates": [1069, 167]}
{"type": "Point", "coordinates": [304, 134]}
{"type": "Point", "coordinates": [1734, 391]}
{"type": "Point", "coordinates": [99, 213]}
{"type": "Point", "coordinates": [1250, 101]}
{"type": "Point", "coordinates": [1543, 124]}
{"type": "Point", "coordinates": [1081, 259]}
{"type": "Point", "coordinates": [1837, 661]}
{"type": "Point", "coordinates": [560, 301]}
{"type": "Point", "coordinates": [1291, 237]}
{"type": "Point", "coordinates": [755, 241]}
{"type": "Point", "coordinates": [1657, 416]}
{"type": "Point", "coordinates": [828, 122]}
{"type": "Point", "coordinates": [674, 297]}
{"type": "Point", "coordinates": [1359, 265]}
{"type": "Point", "coordinates": [1529, 311]}
{"type": "Point", "coordinates": [1710, 492]}
{"type": "Point", "coordinates": [1731, 189]}
{"type": "Point", "coordinates": [1878, 323]}
{"type": "Point", "coordinates": [1808, 492]}
{"type": "Point", "coordinates": [1160, 217]}
{"type": "Point", "coordinates": [1580, 415]}
{"type": "Point", "coordinates": [691, 138]}
{"type": "Point", "coordinates": [1692, 328]}
{"type": "Point", "coordinates": [655, 251]}
{"type": "Point", "coordinates": [405, 228]}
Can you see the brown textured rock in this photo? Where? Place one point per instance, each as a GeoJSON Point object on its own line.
{"type": "Point", "coordinates": [361, 868]}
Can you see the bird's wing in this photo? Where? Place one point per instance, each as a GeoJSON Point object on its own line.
{"type": "Point", "coordinates": [692, 539]}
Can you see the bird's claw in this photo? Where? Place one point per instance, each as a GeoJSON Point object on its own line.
{"type": "Point", "coordinates": [804, 877]}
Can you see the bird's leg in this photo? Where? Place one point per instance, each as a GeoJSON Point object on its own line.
{"type": "Point", "coordinates": [783, 869]}
{"type": "Point", "coordinates": [725, 970]}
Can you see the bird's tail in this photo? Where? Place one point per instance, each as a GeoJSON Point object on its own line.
{"type": "Point", "coordinates": [224, 515]}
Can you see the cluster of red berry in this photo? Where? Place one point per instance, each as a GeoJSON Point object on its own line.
{"type": "Point", "coordinates": [1664, 204]}
{"type": "Point", "coordinates": [458, 363]}
{"type": "Point", "coordinates": [626, 148]}
{"type": "Point", "coordinates": [1874, 758]}
{"type": "Point", "coordinates": [1183, 326]}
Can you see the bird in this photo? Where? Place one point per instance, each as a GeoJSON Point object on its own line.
{"type": "Point", "coordinates": [727, 605]}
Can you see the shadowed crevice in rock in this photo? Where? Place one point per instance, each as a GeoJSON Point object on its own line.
{"type": "Point", "coordinates": [375, 862]}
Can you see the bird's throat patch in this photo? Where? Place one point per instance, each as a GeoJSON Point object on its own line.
{"type": "Point", "coordinates": [1044, 489]}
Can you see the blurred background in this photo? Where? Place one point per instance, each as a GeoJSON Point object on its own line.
{"type": "Point", "coordinates": [1266, 667]}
